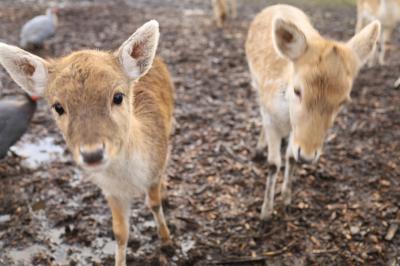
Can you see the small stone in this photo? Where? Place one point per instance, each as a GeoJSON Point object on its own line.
{"type": "Point", "coordinates": [5, 218]}
{"type": "Point", "coordinates": [354, 230]}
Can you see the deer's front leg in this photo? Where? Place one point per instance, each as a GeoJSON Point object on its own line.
{"type": "Point", "coordinates": [120, 222]}
{"type": "Point", "coordinates": [274, 161]}
{"type": "Point", "coordinates": [290, 164]}
{"type": "Point", "coordinates": [154, 203]}
{"type": "Point", "coordinates": [384, 44]}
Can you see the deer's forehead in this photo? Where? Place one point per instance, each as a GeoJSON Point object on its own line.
{"type": "Point", "coordinates": [326, 89]}
{"type": "Point", "coordinates": [330, 77]}
{"type": "Point", "coordinates": [84, 80]}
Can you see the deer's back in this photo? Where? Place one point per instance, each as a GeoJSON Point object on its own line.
{"type": "Point", "coordinates": [266, 65]}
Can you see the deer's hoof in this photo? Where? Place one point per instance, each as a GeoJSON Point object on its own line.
{"type": "Point", "coordinates": [265, 226]}
{"type": "Point", "coordinates": [168, 248]}
{"type": "Point", "coordinates": [259, 157]}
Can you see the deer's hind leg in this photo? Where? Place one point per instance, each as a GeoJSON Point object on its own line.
{"type": "Point", "coordinates": [258, 155]}
{"type": "Point", "coordinates": [153, 199]}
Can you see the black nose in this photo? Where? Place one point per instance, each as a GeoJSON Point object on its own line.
{"type": "Point", "coordinates": [93, 157]}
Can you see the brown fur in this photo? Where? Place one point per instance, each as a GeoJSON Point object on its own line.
{"type": "Point", "coordinates": [84, 83]}
{"type": "Point", "coordinates": [115, 112]}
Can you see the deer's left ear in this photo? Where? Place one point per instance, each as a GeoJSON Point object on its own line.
{"type": "Point", "coordinates": [136, 54]}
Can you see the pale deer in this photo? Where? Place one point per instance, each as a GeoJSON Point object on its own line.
{"type": "Point", "coordinates": [302, 79]}
{"type": "Point", "coordinates": [114, 110]}
{"type": "Point", "coordinates": [223, 9]}
{"type": "Point", "coordinates": [388, 13]}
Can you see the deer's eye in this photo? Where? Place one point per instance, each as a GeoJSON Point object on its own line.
{"type": "Point", "coordinates": [118, 98]}
{"type": "Point", "coordinates": [297, 91]}
{"type": "Point", "coordinates": [58, 108]}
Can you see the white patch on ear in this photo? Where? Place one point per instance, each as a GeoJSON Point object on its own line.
{"type": "Point", "coordinates": [136, 54]}
{"type": "Point", "coordinates": [289, 41]}
{"type": "Point", "coordinates": [27, 70]}
{"type": "Point", "coordinates": [363, 43]}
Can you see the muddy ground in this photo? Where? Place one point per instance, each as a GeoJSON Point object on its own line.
{"type": "Point", "coordinates": [342, 207]}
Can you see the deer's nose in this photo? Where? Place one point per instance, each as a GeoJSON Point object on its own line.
{"type": "Point", "coordinates": [92, 154]}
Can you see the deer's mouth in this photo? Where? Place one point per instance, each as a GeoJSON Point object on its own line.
{"type": "Point", "coordinates": [97, 166]}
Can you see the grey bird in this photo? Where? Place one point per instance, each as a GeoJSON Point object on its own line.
{"type": "Point", "coordinates": [15, 115]}
{"type": "Point", "coordinates": [38, 29]}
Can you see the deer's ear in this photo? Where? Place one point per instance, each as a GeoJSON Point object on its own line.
{"type": "Point", "coordinates": [29, 71]}
{"type": "Point", "coordinates": [136, 54]}
{"type": "Point", "coordinates": [363, 43]}
{"type": "Point", "coordinates": [289, 41]}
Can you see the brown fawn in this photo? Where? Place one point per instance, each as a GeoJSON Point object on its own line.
{"type": "Point", "coordinates": [223, 9]}
{"type": "Point", "coordinates": [115, 112]}
{"type": "Point", "coordinates": [388, 13]}
{"type": "Point", "coordinates": [302, 79]}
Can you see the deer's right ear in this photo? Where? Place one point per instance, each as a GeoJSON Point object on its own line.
{"type": "Point", "coordinates": [289, 41]}
{"type": "Point", "coordinates": [136, 54]}
{"type": "Point", "coordinates": [27, 70]}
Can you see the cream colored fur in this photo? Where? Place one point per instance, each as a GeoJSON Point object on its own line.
{"type": "Point", "coordinates": [302, 80]}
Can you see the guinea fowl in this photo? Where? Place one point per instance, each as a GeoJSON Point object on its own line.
{"type": "Point", "coordinates": [37, 30]}
{"type": "Point", "coordinates": [15, 115]}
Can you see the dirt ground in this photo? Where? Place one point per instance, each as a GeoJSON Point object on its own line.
{"type": "Point", "coordinates": [343, 208]}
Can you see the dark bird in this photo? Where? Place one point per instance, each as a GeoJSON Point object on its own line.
{"type": "Point", "coordinates": [38, 29]}
{"type": "Point", "coordinates": [15, 115]}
